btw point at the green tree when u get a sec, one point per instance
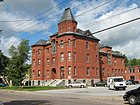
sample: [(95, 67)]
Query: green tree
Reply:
[(17, 68), (3, 63)]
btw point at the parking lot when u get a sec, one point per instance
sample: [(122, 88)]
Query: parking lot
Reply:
[(94, 91)]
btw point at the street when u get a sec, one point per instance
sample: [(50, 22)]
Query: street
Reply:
[(74, 96)]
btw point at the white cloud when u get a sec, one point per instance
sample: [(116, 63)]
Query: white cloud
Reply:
[(122, 38), (7, 42)]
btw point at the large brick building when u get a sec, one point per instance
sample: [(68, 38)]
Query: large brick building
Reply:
[(72, 55), (132, 73)]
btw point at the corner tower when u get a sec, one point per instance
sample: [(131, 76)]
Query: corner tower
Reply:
[(67, 22)]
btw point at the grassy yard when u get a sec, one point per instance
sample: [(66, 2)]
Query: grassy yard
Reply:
[(31, 88)]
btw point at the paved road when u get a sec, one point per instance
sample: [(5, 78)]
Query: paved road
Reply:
[(76, 96)]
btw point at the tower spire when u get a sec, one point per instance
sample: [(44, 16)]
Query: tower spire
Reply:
[(67, 15)]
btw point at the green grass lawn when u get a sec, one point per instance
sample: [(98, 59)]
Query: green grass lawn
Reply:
[(31, 88)]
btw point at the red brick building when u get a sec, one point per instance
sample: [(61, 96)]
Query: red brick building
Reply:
[(71, 55), (112, 62), (132, 73)]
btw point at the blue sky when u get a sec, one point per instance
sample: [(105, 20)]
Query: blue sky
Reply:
[(44, 15)]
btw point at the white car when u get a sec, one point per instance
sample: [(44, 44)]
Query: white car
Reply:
[(80, 85)]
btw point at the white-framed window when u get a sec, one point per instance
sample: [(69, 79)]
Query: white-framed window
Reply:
[(68, 28), (61, 44), (33, 62), (62, 57), (74, 42), (39, 52), (87, 58), (69, 42), (39, 61), (88, 71), (69, 70), (48, 62), (47, 73), (69, 56), (109, 57), (74, 70), (38, 73), (87, 46), (53, 60), (74, 56)]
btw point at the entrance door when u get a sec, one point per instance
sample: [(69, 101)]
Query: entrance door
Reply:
[(62, 73), (53, 73)]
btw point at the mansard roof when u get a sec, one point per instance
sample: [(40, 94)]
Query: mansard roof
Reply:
[(84, 34), (41, 42), (67, 15)]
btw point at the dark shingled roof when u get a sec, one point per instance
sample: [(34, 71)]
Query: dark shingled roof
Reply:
[(67, 15), (42, 42)]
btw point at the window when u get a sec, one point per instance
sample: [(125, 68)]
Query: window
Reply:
[(88, 71), (39, 52), (61, 44), (39, 61), (73, 29), (131, 69), (74, 42), (103, 71), (69, 70), (87, 58), (53, 60), (74, 56), (96, 58), (53, 46), (68, 28), (47, 73), (108, 73), (62, 57), (108, 57), (38, 73), (48, 62), (115, 61), (69, 56), (96, 71), (68, 42), (47, 50), (87, 46), (33, 62), (74, 70)]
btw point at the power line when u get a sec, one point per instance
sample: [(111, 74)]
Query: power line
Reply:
[(77, 15), (116, 25)]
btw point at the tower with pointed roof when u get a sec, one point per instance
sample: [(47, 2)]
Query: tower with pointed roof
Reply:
[(67, 22)]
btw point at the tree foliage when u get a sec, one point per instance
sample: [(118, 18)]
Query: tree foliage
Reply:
[(3, 63), (133, 62), (17, 68)]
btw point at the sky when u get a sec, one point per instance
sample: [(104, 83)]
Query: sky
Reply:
[(37, 19)]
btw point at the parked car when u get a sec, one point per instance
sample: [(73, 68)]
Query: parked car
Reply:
[(101, 83), (2, 85), (128, 82), (134, 82), (77, 84), (132, 96)]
